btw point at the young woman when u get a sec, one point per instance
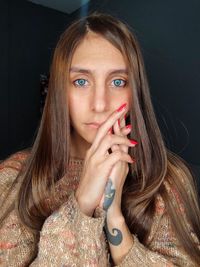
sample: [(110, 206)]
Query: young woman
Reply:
[(99, 187)]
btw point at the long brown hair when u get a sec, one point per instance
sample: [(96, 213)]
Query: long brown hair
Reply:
[(154, 167)]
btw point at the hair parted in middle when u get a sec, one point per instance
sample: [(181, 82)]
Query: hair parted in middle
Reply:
[(154, 163)]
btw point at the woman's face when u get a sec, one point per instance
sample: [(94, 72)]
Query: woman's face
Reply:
[(98, 86)]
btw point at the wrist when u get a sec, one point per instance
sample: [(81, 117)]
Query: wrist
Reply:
[(115, 216), (83, 206)]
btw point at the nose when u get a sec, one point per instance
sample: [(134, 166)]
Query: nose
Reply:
[(99, 101)]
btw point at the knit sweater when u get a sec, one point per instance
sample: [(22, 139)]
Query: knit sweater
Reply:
[(69, 238)]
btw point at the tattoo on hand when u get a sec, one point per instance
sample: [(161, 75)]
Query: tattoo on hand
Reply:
[(116, 238), (109, 195)]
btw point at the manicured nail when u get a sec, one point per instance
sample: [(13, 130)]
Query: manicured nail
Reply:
[(128, 126), (122, 107), (133, 160), (110, 131), (133, 142)]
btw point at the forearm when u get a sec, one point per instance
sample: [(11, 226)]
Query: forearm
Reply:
[(128, 251), (119, 237)]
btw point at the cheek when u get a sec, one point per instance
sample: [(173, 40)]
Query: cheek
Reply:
[(76, 107), (125, 97), (129, 97), (72, 106)]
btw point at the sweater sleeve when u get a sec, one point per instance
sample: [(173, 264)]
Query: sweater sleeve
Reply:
[(16, 243), (67, 238), (163, 248), (70, 238)]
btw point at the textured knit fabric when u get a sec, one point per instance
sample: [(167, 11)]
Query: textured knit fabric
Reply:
[(69, 238)]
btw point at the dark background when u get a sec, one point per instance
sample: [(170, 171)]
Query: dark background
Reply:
[(169, 34)]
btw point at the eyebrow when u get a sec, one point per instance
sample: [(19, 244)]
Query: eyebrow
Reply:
[(87, 71)]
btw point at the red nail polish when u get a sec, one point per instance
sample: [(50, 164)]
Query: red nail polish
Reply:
[(122, 107), (133, 142), (128, 126), (110, 131), (133, 160)]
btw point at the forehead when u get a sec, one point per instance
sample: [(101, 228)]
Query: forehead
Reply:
[(95, 49)]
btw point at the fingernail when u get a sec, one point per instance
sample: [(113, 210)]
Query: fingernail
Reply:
[(133, 142), (122, 107), (110, 131), (133, 160), (128, 126)]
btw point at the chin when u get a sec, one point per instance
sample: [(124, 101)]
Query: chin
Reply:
[(82, 135), (89, 138)]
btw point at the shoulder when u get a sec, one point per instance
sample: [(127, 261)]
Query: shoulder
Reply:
[(15, 161), (10, 168)]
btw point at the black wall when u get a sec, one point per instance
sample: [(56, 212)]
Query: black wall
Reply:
[(29, 33)]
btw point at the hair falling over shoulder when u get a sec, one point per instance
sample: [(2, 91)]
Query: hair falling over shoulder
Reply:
[(154, 167)]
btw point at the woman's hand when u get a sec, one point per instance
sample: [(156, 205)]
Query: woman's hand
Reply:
[(113, 191), (118, 235), (99, 163)]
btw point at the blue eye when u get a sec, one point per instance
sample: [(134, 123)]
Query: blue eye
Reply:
[(80, 82), (119, 83)]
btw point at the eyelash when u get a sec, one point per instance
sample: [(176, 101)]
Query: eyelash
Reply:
[(124, 83)]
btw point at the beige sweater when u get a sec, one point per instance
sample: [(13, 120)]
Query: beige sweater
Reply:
[(69, 238)]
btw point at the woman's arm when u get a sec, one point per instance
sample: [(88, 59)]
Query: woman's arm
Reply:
[(68, 236), (162, 249)]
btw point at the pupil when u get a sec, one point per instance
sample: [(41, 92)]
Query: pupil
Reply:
[(117, 82), (81, 82)]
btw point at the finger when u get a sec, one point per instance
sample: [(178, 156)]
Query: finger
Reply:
[(117, 156), (126, 130), (104, 128), (116, 127), (117, 130), (111, 140), (114, 147), (123, 121)]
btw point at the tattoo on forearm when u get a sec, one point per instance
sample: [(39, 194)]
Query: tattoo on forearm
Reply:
[(116, 237), (109, 195)]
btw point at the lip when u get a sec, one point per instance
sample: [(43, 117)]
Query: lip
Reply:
[(94, 124)]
